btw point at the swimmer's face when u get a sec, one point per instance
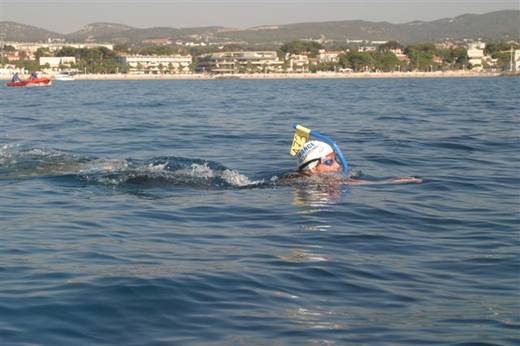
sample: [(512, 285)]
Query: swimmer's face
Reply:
[(328, 164)]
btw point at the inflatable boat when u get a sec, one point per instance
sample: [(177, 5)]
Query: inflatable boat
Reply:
[(31, 82)]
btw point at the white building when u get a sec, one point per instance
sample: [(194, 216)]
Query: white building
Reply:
[(157, 63), (328, 57), (298, 63), (516, 62), (476, 55), (234, 62), (56, 62), (398, 52), (367, 49), (355, 41), (9, 70)]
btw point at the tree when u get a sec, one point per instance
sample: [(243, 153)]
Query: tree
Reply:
[(357, 61), (29, 65), (493, 48), (122, 48), (94, 60), (42, 52), (503, 60), (68, 51), (326, 66), (158, 50), (385, 61), (390, 45), (421, 55), (9, 48), (502, 52), (301, 47), (455, 58)]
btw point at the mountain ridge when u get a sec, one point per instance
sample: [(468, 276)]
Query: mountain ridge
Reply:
[(493, 25)]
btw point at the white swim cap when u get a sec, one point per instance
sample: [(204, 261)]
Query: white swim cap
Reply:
[(312, 151)]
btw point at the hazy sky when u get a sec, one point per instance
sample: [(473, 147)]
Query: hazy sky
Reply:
[(65, 16)]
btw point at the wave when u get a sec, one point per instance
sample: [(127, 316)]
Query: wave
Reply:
[(21, 163)]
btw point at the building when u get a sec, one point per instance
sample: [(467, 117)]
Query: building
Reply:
[(516, 62), (11, 56), (354, 41), (476, 55), (157, 63), (30, 48), (438, 59), (367, 49), (298, 63), (57, 62), (240, 62), (400, 55), (157, 41), (446, 45), (328, 57), (9, 70)]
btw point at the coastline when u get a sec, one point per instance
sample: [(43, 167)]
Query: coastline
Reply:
[(256, 76)]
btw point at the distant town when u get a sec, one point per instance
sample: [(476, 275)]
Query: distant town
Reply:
[(160, 57), (486, 44)]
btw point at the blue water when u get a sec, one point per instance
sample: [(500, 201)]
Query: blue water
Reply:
[(149, 213)]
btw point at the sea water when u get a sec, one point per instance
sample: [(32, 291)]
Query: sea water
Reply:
[(149, 213)]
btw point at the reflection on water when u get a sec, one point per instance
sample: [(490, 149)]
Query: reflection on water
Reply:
[(315, 194), (300, 255)]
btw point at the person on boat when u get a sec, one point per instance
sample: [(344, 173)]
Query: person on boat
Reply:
[(34, 75), (16, 78), (317, 158)]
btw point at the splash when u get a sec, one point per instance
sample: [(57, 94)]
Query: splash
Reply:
[(17, 163), (234, 178)]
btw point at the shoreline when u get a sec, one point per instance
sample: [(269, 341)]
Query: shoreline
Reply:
[(257, 76)]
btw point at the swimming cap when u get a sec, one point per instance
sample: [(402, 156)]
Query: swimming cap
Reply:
[(312, 151)]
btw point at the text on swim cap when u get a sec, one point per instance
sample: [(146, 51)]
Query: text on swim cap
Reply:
[(303, 151)]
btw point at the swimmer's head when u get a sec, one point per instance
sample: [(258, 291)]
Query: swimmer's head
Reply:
[(317, 157)]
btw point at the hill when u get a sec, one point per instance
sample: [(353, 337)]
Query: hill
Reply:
[(11, 31), (98, 31), (489, 26), (500, 25)]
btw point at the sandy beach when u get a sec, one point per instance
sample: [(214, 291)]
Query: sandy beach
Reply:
[(318, 75)]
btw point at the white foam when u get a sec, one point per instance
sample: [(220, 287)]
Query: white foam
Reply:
[(236, 179), (6, 153), (115, 165), (201, 171), (39, 152), (157, 167), (103, 166)]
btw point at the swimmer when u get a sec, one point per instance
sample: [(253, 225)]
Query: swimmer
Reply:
[(317, 158)]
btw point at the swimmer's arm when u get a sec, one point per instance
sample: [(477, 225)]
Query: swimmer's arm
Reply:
[(400, 180)]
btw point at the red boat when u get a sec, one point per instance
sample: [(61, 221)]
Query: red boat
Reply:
[(31, 82)]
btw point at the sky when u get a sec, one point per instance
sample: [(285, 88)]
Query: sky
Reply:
[(66, 16)]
